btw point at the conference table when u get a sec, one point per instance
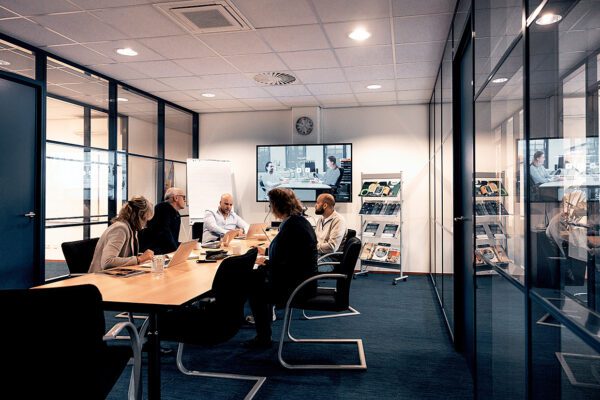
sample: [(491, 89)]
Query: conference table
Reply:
[(152, 293)]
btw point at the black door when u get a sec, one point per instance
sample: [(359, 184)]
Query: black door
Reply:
[(463, 200), (19, 179)]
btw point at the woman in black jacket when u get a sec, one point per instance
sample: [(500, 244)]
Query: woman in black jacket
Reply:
[(292, 259)]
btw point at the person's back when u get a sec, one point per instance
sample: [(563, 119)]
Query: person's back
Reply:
[(162, 232)]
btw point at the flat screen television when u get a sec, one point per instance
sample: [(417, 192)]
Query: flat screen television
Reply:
[(307, 169)]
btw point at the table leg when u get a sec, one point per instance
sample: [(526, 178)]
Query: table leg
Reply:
[(153, 358)]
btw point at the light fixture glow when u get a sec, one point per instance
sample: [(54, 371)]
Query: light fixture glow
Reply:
[(548, 19), (127, 51), (122, 99), (373, 87), (208, 94), (500, 80), (359, 34), (4, 63)]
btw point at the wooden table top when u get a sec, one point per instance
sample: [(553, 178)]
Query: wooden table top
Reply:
[(178, 284)]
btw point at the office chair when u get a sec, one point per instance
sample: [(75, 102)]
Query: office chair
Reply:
[(55, 345), (78, 255), (334, 258), (216, 318), (335, 188), (337, 300)]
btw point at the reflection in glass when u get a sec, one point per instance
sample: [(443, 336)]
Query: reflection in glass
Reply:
[(137, 123), (178, 134), (17, 60), (141, 177), (69, 82)]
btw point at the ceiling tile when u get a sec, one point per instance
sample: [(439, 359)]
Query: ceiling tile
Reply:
[(355, 56), (185, 82), (226, 81), (79, 53), (337, 99), (176, 47), (416, 70), (219, 95), (378, 96), (321, 75), (206, 66), (290, 90), (81, 27), (294, 38), (226, 103), (197, 105), (414, 52), (176, 96), (428, 28), (379, 29), (247, 93), (263, 103), (403, 8), (268, 13), (6, 13), (361, 86), (419, 95), (233, 109), (119, 71), (257, 62), (299, 101), (109, 49), (366, 73), (29, 8), (32, 33), (309, 59), (95, 4), (139, 21), (159, 69), (229, 44), (416, 84), (329, 88), (149, 85), (351, 10)]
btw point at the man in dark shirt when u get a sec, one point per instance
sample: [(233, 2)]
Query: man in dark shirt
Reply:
[(162, 234)]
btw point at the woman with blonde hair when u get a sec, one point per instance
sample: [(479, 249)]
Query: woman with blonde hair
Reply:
[(118, 246)]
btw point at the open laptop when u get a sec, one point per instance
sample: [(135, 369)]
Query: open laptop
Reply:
[(257, 232), (179, 256)]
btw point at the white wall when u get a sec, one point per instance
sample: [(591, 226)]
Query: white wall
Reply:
[(385, 139)]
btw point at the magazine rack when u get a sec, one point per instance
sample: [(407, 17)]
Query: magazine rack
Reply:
[(381, 223)]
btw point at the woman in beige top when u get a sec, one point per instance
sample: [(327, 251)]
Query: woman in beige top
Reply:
[(118, 245)]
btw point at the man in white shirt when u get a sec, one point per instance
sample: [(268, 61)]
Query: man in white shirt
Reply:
[(223, 222), (331, 227)]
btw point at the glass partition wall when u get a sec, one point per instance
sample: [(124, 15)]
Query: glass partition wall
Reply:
[(536, 195), (87, 177)]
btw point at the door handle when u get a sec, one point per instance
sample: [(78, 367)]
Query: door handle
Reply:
[(30, 214), (460, 219)]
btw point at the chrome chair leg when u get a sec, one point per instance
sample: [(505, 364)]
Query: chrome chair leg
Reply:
[(352, 311)]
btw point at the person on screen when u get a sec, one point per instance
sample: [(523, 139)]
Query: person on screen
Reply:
[(292, 259), (224, 223), (269, 179), (118, 245), (162, 233), (331, 226), (333, 172), (538, 172)]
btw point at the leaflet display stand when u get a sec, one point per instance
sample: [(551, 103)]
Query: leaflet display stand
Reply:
[(381, 223)]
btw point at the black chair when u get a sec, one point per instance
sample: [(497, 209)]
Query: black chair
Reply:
[(55, 345), (325, 300), (335, 257), (79, 255), (335, 188), (216, 318)]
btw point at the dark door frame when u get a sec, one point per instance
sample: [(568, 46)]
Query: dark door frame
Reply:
[(39, 168)]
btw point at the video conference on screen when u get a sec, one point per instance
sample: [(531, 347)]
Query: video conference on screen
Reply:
[(308, 170)]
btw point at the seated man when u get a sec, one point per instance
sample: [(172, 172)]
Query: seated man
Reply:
[(331, 227), (223, 222), (162, 233)]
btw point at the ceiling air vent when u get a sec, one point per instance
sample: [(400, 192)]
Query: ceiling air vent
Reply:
[(274, 78), (206, 16)]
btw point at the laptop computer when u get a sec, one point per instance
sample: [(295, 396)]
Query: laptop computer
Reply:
[(179, 256), (257, 232)]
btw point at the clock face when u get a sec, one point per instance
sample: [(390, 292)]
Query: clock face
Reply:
[(304, 126)]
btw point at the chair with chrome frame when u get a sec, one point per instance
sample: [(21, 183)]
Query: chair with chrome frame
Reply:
[(216, 318), (56, 345), (334, 259), (330, 300)]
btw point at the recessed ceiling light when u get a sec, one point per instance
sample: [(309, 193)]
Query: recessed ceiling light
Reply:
[(4, 63), (548, 19), (127, 51), (373, 87), (359, 34), (208, 94), (122, 99), (499, 80)]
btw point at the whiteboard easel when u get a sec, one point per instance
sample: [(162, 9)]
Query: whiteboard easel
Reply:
[(207, 180)]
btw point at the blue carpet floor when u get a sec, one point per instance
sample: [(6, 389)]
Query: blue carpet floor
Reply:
[(409, 354)]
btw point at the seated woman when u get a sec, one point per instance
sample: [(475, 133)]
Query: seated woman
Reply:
[(292, 259), (118, 245)]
